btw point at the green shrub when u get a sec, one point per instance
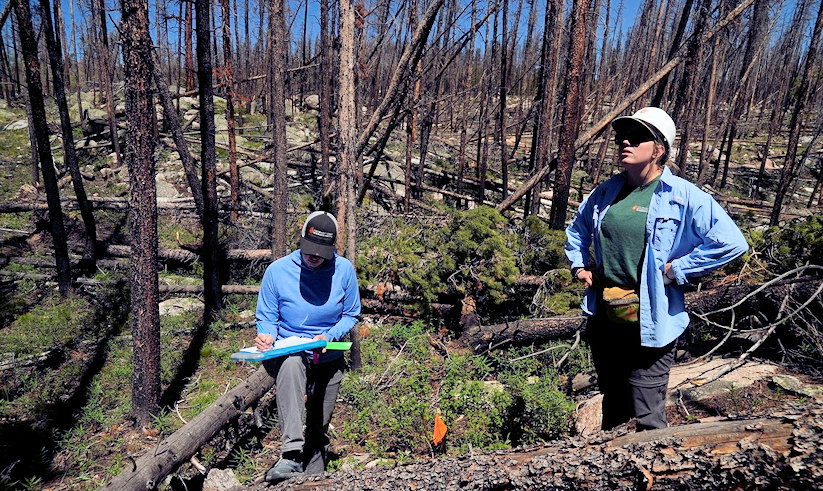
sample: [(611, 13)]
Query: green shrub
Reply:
[(472, 255), (795, 244), (541, 247)]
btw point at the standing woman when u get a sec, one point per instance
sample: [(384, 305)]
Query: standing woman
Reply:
[(311, 293), (652, 232)]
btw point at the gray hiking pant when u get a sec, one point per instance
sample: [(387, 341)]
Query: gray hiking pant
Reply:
[(632, 378), (306, 392)]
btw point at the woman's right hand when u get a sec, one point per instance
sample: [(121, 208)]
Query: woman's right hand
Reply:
[(585, 276), (264, 342)]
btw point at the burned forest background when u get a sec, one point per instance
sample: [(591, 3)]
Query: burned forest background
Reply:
[(156, 157)]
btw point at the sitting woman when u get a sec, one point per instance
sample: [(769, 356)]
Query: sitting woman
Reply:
[(652, 232), (311, 293)]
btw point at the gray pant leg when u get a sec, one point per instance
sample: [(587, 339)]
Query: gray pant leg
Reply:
[(291, 397), (325, 381), (650, 407), (649, 383)]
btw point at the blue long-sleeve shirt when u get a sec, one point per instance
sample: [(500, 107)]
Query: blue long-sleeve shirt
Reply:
[(296, 300), (685, 226)]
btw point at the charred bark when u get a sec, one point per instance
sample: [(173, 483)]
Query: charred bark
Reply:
[(69, 154), (277, 90), (208, 160), (145, 318), (796, 124), (572, 110), (782, 449), (39, 126)]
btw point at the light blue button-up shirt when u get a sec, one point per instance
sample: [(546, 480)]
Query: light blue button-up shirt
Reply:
[(685, 226)]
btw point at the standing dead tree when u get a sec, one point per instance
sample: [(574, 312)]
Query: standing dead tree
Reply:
[(145, 318), (69, 153), (28, 46), (278, 44), (208, 160), (798, 114), (228, 82), (625, 103), (572, 103), (348, 158)]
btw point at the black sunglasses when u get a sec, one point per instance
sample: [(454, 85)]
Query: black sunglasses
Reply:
[(634, 138)]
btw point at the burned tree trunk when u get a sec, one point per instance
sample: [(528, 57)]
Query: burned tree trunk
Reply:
[(156, 464), (780, 450), (796, 124), (173, 123), (191, 79), (69, 153), (348, 158), (145, 317), (278, 44), (228, 81), (208, 160), (324, 120), (572, 109), (541, 139), (529, 331), (39, 125), (107, 75)]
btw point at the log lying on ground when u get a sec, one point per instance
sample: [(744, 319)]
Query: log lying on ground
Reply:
[(149, 470), (187, 256), (528, 331), (783, 450)]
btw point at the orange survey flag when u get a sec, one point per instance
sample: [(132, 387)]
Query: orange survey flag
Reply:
[(440, 429)]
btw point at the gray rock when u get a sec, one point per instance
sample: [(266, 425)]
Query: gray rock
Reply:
[(165, 189), (253, 176), (187, 103), (221, 480), (793, 384), (177, 306), (312, 101), (17, 125)]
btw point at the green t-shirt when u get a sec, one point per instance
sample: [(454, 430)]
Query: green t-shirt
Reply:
[(623, 235)]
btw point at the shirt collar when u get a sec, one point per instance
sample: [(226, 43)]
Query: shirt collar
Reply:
[(667, 175)]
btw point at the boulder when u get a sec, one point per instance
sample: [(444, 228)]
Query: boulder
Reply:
[(187, 103), (165, 189), (312, 101), (221, 480), (177, 306), (254, 176)]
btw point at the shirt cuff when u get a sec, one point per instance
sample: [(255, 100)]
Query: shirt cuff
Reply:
[(679, 275)]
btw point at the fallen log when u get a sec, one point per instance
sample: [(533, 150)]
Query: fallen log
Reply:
[(782, 450), (187, 256), (149, 470), (528, 331)]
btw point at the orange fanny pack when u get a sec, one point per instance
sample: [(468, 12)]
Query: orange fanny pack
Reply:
[(622, 304)]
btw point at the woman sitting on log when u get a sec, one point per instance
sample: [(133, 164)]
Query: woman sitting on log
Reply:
[(652, 232), (311, 293)]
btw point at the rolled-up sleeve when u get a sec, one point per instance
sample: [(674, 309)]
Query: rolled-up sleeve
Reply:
[(721, 241)]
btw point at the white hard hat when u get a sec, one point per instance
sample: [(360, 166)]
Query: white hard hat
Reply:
[(654, 119)]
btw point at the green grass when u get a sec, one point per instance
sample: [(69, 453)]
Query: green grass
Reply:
[(54, 322)]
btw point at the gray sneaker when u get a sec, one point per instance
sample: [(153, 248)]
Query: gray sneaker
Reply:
[(284, 469)]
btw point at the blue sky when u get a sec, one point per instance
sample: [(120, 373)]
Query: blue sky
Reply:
[(623, 15)]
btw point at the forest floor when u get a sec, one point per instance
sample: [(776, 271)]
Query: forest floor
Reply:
[(65, 364)]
